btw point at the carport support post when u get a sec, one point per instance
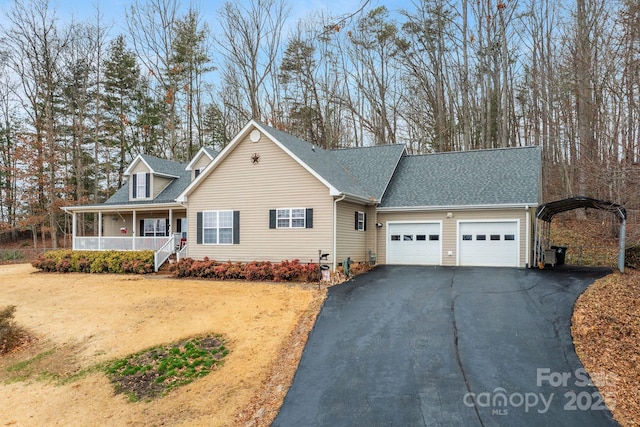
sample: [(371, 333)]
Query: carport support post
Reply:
[(623, 231)]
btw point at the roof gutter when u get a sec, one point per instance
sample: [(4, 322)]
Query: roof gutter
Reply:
[(109, 208), (454, 207)]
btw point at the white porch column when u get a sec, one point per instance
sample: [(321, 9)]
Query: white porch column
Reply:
[(74, 230), (99, 231), (134, 230)]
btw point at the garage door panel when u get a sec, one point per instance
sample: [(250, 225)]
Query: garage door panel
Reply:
[(414, 243), (493, 243)]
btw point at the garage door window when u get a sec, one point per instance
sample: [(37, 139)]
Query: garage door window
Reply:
[(495, 237), (481, 237), (434, 237), (408, 238), (509, 237), (421, 237), (467, 237), (395, 237)]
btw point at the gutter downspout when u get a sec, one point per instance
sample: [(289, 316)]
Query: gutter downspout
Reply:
[(335, 230), (528, 237)]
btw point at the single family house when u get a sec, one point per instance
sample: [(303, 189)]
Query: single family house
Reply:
[(271, 196)]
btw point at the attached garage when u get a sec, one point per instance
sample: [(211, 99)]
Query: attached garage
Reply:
[(414, 243), (489, 243)]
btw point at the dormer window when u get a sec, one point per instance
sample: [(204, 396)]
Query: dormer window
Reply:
[(197, 172), (141, 185)]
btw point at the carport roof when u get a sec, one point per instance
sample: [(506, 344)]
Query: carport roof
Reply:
[(547, 211)]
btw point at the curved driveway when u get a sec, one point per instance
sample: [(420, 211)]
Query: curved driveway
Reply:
[(432, 346)]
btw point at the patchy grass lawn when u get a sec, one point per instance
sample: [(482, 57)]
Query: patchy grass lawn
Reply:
[(606, 333), (82, 323)]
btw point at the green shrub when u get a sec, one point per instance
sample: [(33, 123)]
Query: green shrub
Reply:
[(67, 261), (285, 271)]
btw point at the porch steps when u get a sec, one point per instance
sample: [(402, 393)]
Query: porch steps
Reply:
[(166, 267)]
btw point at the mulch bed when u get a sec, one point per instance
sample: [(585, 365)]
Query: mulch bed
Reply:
[(606, 333)]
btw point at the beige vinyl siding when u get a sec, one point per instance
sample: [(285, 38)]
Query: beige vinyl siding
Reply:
[(201, 163), (349, 241), (158, 184), (372, 241), (276, 181), (140, 167), (112, 227), (450, 228)]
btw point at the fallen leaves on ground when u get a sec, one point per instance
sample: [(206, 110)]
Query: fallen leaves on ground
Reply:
[(606, 333)]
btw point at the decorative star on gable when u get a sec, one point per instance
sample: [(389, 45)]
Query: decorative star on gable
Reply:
[(255, 158)]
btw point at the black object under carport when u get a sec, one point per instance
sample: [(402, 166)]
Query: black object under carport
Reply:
[(546, 211), (561, 252)]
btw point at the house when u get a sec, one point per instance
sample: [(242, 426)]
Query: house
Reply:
[(270, 196)]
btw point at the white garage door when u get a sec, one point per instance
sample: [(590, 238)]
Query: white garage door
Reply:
[(414, 243), (492, 244)]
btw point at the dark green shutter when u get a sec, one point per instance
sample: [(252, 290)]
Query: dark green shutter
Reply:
[(134, 182), (356, 221), (272, 218), (309, 218), (166, 227), (365, 222), (147, 185), (199, 228), (236, 227), (141, 232)]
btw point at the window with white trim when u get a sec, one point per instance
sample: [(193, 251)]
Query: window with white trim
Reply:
[(155, 227), (141, 185), (290, 218), (217, 227), (360, 221)]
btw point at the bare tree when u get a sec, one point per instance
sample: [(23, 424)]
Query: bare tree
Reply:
[(152, 28), (250, 45), (36, 45)]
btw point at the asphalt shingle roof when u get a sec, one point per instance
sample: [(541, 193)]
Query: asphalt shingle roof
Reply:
[(483, 177), (468, 178), (168, 195), (372, 166), (327, 164)]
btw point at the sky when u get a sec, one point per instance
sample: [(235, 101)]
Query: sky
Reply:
[(114, 10)]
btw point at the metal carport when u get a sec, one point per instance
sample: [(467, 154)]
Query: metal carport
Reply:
[(546, 212)]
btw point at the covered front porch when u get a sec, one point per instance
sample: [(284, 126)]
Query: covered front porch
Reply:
[(162, 229)]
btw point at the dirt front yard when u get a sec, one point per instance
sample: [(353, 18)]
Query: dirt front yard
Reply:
[(81, 321)]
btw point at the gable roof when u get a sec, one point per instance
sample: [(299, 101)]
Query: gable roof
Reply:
[(331, 167), (157, 166), (509, 176), (207, 151), (373, 166), (324, 163), (161, 167)]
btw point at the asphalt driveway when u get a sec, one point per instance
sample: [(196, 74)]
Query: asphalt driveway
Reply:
[(418, 346)]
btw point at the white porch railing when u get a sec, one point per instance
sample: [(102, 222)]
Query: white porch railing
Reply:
[(119, 243), (182, 253), (164, 252)]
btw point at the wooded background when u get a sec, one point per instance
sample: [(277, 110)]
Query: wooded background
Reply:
[(79, 100)]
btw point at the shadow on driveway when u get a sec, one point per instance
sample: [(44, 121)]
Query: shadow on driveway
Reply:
[(431, 346)]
